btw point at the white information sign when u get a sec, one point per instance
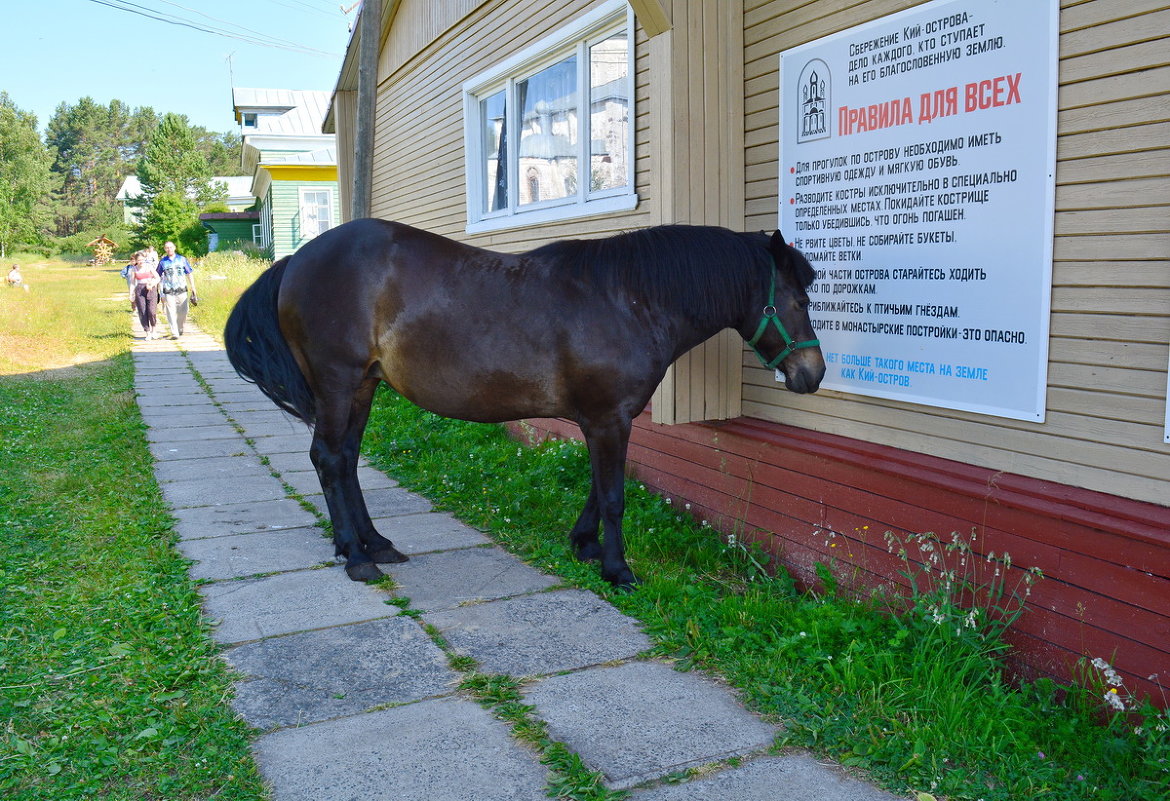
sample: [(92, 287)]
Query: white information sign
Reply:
[(917, 167)]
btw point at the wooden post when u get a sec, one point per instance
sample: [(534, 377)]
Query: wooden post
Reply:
[(370, 32)]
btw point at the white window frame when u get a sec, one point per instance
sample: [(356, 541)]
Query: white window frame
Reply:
[(305, 191), (577, 37)]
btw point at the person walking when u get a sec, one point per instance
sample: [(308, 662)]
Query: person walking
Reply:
[(178, 288), (146, 283), (128, 274)]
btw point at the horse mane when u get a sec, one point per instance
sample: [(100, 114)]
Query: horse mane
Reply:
[(703, 271)]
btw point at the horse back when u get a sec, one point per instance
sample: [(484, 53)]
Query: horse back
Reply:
[(462, 331)]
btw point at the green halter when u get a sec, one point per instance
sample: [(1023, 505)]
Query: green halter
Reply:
[(771, 316)]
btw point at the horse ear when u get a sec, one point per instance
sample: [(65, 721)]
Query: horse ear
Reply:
[(777, 244)]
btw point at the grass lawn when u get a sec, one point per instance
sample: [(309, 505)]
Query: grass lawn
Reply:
[(110, 686), (113, 690)]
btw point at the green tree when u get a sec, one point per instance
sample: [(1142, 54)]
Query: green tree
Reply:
[(96, 147), (172, 216), (176, 183), (26, 178), (173, 163), (224, 151)]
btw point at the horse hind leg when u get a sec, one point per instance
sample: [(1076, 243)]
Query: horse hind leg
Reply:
[(377, 547), (341, 420)]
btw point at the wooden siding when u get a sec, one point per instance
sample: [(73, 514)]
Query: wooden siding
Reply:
[(286, 212), (419, 171), (345, 119), (1111, 275), (698, 78)]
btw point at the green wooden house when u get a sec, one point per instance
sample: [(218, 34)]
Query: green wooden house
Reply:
[(293, 165)]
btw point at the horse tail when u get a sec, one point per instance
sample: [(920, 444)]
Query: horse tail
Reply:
[(258, 350)]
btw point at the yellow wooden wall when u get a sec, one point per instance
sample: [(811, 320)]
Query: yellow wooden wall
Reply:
[(707, 153)]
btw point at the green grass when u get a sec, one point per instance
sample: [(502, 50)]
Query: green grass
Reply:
[(110, 686), (221, 278), (918, 699)]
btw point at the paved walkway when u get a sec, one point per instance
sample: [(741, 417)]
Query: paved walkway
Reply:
[(354, 699)]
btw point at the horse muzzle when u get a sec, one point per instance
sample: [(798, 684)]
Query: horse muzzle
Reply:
[(803, 371)]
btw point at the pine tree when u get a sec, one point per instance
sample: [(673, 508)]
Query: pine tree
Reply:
[(96, 146), (173, 163), (175, 179)]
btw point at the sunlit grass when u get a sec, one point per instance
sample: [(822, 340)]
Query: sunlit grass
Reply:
[(109, 685), (221, 278)]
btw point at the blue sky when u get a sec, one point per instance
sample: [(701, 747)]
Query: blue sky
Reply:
[(49, 53)]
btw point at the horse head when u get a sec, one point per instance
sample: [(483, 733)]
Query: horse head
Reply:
[(782, 333)]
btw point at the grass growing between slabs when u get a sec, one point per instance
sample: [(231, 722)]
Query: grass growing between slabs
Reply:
[(918, 699), (109, 685)]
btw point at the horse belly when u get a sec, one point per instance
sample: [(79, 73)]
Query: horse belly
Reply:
[(468, 390)]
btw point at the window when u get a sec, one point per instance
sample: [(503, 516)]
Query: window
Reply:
[(316, 212), (549, 132), (249, 119)]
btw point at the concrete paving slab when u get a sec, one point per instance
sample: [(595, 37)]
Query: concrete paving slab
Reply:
[(797, 777), (153, 399), (233, 402), (292, 462), (393, 501), (216, 491), (283, 444), (182, 417), (275, 427), (643, 720), (216, 467), (239, 555), (383, 503), (448, 749), (320, 675), (250, 609), (541, 634), (225, 431), (200, 449), (431, 531), (220, 521), (447, 579), (306, 482)]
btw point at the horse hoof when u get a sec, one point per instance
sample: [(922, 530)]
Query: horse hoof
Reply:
[(589, 552), (623, 580), (388, 555), (363, 571)]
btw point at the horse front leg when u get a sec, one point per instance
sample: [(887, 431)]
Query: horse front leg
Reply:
[(584, 536), (607, 458), (334, 455)]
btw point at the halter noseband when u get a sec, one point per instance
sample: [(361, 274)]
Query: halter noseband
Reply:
[(770, 315)]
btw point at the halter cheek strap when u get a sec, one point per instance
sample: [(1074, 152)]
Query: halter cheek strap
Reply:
[(771, 316)]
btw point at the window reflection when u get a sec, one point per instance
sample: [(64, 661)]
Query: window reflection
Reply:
[(548, 133), (609, 118)]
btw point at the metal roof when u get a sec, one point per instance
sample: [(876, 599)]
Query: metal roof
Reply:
[(282, 111)]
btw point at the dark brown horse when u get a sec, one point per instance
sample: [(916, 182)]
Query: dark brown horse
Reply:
[(583, 330)]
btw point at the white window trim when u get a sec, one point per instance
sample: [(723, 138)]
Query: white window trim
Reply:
[(304, 192), (588, 29)]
